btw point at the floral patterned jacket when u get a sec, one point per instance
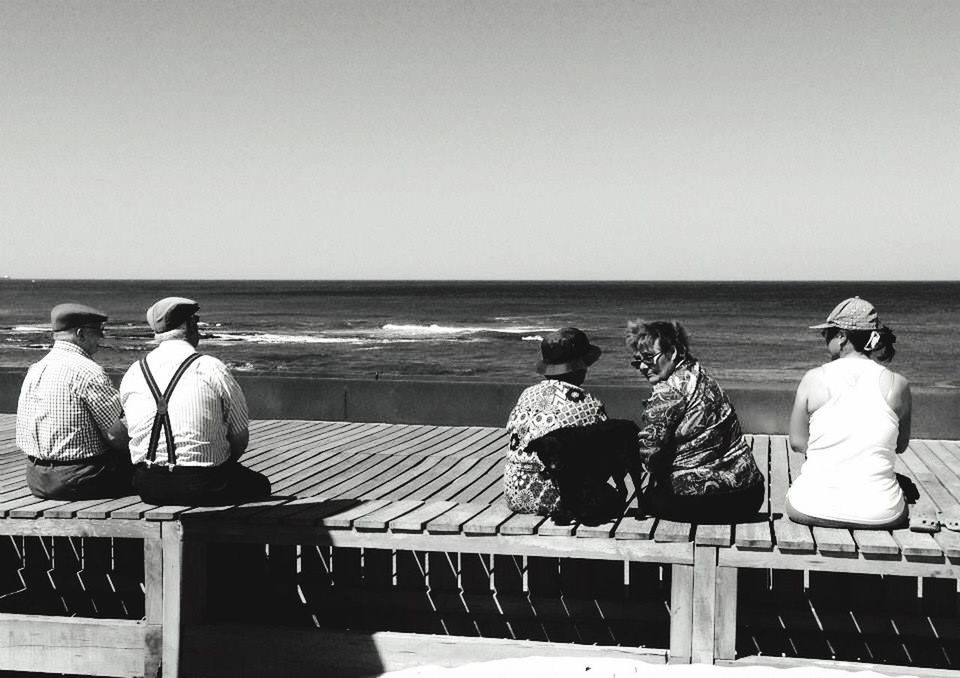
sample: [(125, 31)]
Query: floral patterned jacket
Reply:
[(691, 437), (541, 409)]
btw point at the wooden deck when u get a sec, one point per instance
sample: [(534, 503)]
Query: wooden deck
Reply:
[(342, 489)]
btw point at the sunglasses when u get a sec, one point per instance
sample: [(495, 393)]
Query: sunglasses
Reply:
[(645, 359)]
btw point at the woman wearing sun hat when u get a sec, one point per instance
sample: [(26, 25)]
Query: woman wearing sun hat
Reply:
[(554, 405), (851, 417)]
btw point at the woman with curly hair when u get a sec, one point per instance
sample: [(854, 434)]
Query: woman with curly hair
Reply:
[(701, 469)]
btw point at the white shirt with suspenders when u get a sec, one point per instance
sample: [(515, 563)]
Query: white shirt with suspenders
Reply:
[(205, 407)]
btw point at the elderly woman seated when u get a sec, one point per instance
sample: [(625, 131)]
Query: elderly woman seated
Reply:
[(563, 447), (701, 469)]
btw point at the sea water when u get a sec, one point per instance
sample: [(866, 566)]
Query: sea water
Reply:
[(744, 332)]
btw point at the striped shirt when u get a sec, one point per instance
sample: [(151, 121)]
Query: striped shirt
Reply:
[(206, 407), (67, 405)]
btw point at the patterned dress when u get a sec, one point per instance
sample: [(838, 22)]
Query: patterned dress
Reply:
[(541, 409), (692, 434)]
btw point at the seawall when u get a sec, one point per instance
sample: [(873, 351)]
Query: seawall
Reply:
[(936, 413)]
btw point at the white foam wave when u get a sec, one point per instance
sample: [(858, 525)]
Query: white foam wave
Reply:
[(225, 339), (30, 329), (270, 338), (436, 330)]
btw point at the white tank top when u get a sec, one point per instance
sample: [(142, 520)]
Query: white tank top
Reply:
[(849, 471)]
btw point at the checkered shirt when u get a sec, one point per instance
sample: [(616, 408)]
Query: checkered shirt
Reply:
[(207, 405), (67, 405)]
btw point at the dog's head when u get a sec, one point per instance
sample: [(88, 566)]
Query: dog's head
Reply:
[(548, 451)]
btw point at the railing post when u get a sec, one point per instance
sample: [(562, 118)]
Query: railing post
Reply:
[(172, 535), (153, 600), (681, 613)]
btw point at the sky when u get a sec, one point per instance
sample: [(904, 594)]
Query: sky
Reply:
[(766, 140)]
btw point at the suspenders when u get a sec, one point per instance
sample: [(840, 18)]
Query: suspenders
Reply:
[(162, 418)]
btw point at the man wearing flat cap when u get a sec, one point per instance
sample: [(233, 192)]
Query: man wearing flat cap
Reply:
[(187, 418), (69, 415)]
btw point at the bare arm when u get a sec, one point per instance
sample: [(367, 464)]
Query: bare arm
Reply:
[(901, 402), (800, 415)]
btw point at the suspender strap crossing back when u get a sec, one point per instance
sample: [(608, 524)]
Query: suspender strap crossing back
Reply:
[(161, 421)]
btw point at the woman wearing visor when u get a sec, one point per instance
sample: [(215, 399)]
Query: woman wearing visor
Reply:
[(701, 469)]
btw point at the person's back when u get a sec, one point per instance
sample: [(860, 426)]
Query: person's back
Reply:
[(851, 417), (200, 408), (69, 417), (187, 418), (849, 474)]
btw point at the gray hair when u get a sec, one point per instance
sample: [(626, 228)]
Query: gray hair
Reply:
[(175, 333)]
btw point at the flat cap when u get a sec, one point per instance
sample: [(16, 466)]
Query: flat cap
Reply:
[(69, 316), (170, 313)]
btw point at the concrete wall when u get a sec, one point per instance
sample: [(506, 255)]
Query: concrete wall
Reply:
[(761, 409)]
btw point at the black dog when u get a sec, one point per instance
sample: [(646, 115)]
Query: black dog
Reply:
[(585, 457)]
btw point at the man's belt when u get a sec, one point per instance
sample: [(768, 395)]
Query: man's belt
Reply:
[(99, 459)]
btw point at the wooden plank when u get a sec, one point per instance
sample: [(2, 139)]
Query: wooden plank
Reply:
[(521, 523), (282, 455), (309, 467), (437, 479), (69, 509), (757, 535), (669, 531), (103, 647), (834, 540), (876, 543), (600, 531), (714, 535), (352, 442), (171, 536), (488, 520), (463, 488), (453, 520), (550, 528), (725, 636), (344, 519), (681, 614), (165, 512), (133, 511), (635, 528), (788, 535), (914, 465), (916, 544), (337, 472), (416, 520), (34, 510), (102, 511), (379, 519), (703, 635)]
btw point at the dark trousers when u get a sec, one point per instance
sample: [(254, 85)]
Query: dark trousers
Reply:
[(715, 509), (104, 477), (229, 483)]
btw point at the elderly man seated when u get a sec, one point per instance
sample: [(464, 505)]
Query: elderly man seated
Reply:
[(69, 416), (187, 418)]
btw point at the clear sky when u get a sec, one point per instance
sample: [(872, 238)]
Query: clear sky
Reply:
[(453, 139)]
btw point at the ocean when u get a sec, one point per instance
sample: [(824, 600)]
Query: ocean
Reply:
[(743, 332)]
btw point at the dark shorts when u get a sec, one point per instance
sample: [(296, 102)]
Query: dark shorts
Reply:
[(715, 509), (103, 478), (228, 483)]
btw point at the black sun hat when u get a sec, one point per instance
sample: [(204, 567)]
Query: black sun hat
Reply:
[(566, 350)]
